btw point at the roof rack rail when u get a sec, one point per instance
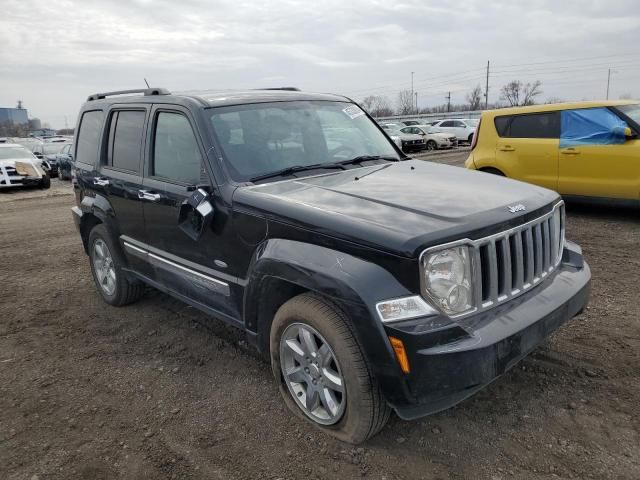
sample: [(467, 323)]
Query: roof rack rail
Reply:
[(145, 91), (289, 89)]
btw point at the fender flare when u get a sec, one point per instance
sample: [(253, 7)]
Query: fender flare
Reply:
[(97, 208), (351, 283)]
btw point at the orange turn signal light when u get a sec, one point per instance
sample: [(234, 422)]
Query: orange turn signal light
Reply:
[(401, 354)]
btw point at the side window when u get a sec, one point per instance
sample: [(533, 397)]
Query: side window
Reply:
[(536, 125), (591, 126), (89, 136), (125, 140), (502, 125), (176, 155), (448, 123), (458, 124)]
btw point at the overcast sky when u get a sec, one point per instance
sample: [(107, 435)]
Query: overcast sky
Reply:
[(54, 53)]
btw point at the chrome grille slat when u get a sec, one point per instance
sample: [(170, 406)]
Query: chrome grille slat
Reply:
[(519, 262), (529, 264), (546, 241), (507, 286), (493, 272)]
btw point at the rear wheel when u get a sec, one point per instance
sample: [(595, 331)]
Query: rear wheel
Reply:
[(107, 264), (321, 371), (493, 171)]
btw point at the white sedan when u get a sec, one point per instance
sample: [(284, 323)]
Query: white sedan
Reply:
[(433, 141), (19, 167), (462, 128)]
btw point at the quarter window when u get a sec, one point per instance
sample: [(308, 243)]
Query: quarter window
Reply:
[(88, 137), (125, 140), (448, 123), (176, 155)]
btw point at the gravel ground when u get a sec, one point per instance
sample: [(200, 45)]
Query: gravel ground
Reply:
[(158, 390)]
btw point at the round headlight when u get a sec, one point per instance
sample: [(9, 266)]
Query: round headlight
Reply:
[(447, 279)]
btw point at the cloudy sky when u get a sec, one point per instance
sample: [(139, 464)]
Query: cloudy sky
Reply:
[(54, 53)]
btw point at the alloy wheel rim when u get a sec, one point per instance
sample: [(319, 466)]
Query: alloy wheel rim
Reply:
[(312, 374), (104, 267)]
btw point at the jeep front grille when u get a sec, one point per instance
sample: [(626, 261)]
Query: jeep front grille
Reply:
[(511, 262)]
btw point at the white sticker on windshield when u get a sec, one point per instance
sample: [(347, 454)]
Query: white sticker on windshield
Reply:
[(353, 111)]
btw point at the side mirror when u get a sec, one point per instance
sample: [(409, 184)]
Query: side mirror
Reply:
[(628, 132), (196, 213)]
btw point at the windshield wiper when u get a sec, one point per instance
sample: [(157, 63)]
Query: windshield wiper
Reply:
[(296, 168), (364, 158)]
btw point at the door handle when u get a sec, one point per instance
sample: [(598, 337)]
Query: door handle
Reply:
[(507, 148), (570, 151), (101, 182), (147, 195)]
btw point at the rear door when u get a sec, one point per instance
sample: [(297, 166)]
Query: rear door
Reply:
[(527, 147), (174, 170), (594, 160)]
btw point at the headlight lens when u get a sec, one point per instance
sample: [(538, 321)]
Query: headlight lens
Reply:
[(447, 279)]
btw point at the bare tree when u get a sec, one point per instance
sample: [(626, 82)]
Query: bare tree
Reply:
[(554, 100), (516, 93), (405, 103), (475, 98), (377, 105)]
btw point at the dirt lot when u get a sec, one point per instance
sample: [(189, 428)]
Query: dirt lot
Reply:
[(157, 390)]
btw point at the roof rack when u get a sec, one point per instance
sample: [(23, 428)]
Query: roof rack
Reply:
[(289, 89), (145, 91)]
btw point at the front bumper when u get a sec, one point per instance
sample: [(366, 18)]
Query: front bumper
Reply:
[(454, 362)]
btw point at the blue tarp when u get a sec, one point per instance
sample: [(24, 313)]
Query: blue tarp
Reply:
[(591, 126)]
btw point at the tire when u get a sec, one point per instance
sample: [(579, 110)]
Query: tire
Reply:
[(45, 183), (470, 138), (493, 171), (362, 411), (123, 291), (432, 145)]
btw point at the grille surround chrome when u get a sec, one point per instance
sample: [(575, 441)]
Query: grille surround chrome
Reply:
[(540, 259)]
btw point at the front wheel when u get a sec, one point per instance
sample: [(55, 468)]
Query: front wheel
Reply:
[(321, 370), (470, 139), (45, 182), (432, 145)]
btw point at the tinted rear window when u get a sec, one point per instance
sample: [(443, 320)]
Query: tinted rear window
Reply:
[(534, 125), (125, 140), (88, 137)]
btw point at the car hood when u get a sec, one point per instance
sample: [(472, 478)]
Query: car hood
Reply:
[(408, 136), (401, 207)]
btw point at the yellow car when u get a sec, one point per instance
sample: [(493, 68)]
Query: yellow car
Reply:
[(588, 149)]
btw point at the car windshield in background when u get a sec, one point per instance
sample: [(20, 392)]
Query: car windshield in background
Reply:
[(473, 122), (14, 153), (631, 111), (51, 148), (258, 139)]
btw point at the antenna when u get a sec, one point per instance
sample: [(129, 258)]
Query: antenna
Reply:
[(145, 81)]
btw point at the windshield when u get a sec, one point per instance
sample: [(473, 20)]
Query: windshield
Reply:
[(51, 148), (631, 111), (472, 122), (13, 153), (258, 139)]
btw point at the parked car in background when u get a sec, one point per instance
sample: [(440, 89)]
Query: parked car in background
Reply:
[(587, 149), (433, 141), (65, 162), (51, 151), (409, 142), (20, 168), (410, 122), (462, 128)]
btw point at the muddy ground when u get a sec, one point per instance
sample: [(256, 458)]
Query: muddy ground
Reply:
[(158, 390)]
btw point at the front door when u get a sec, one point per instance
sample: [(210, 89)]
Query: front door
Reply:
[(528, 149), (183, 260), (594, 160)]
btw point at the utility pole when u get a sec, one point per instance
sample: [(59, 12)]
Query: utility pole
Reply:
[(608, 82), (416, 102), (448, 97), (486, 89), (412, 85)]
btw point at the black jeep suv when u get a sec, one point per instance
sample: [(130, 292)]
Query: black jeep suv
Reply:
[(371, 281)]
